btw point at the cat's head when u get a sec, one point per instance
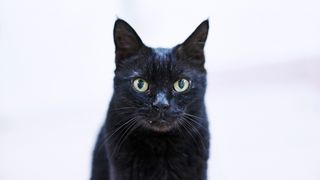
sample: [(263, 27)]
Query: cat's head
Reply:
[(159, 88)]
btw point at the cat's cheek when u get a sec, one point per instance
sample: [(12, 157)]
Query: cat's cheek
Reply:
[(183, 98), (138, 97), (175, 110)]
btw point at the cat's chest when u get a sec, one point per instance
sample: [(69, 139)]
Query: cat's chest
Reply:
[(160, 167), (158, 160), (157, 151)]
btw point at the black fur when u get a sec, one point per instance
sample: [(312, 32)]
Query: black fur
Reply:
[(159, 134)]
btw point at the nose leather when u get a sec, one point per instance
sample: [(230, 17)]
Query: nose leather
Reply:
[(161, 101)]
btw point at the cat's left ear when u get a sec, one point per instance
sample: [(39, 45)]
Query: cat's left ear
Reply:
[(193, 47)]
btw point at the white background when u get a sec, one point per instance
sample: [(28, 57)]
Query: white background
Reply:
[(263, 98)]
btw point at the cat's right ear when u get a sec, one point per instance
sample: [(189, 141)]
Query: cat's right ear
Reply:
[(126, 40)]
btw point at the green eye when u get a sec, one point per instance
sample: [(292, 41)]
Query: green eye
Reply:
[(140, 85), (181, 85)]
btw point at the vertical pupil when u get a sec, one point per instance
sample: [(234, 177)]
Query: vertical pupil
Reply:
[(181, 83), (140, 84)]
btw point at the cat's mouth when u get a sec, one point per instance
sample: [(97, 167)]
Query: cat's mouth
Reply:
[(160, 125)]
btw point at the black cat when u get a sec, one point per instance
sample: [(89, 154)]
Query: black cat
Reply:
[(156, 127)]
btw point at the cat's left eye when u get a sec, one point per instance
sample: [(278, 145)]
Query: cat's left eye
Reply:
[(140, 85), (181, 85)]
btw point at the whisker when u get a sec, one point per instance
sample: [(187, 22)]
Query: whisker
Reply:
[(190, 115), (194, 121), (178, 127), (190, 134), (117, 109), (115, 131), (197, 133), (123, 137)]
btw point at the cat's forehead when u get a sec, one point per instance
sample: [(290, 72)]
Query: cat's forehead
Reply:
[(161, 54), (160, 63)]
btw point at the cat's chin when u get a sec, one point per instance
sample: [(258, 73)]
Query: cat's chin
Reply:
[(160, 126)]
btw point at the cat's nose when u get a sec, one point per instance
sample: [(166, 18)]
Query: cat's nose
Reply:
[(160, 106), (161, 102)]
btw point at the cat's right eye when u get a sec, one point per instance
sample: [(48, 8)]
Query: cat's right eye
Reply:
[(140, 85)]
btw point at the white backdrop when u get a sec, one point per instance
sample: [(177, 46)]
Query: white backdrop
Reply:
[(263, 62)]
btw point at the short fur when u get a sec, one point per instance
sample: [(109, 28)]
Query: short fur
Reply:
[(159, 134)]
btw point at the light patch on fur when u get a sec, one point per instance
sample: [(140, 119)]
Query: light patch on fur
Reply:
[(162, 53)]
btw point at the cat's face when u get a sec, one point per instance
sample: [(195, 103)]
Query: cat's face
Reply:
[(158, 87)]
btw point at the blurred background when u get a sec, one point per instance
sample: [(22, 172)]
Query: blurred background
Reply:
[(263, 98)]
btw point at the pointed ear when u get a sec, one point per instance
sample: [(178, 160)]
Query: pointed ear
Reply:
[(193, 47), (126, 40)]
